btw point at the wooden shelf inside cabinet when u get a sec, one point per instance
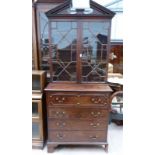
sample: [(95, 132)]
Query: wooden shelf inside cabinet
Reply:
[(38, 124), (38, 81)]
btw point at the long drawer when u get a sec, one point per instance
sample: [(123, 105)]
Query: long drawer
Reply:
[(59, 124), (78, 99), (77, 136), (77, 113)]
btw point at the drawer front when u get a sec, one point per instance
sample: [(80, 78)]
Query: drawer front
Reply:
[(77, 125), (78, 99), (78, 113), (78, 136)]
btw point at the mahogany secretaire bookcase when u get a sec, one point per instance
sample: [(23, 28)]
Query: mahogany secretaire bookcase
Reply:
[(78, 97)]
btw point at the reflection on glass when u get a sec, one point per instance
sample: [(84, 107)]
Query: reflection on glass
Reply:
[(64, 40), (74, 25), (35, 130), (64, 71), (94, 50), (44, 47), (34, 109), (64, 36), (36, 82)]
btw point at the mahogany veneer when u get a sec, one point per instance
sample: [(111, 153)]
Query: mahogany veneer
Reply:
[(77, 113)]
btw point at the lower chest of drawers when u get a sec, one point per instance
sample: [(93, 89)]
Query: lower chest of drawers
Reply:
[(77, 123), (77, 114)]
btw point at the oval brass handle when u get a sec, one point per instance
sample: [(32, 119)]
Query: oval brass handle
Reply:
[(61, 124), (97, 100), (95, 114), (78, 103), (60, 100), (61, 113), (60, 136), (93, 99), (93, 137), (95, 125)]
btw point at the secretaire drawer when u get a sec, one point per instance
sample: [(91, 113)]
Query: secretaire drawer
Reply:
[(79, 113), (78, 99), (95, 124), (77, 136)]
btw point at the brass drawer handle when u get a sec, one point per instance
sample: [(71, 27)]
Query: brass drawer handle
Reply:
[(63, 112), (60, 114), (78, 103), (93, 99), (93, 137), (96, 100), (60, 136), (95, 114), (60, 100), (95, 125), (61, 124)]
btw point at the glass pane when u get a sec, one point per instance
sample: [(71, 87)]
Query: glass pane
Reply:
[(44, 47), (35, 82), (64, 41), (35, 130), (35, 109), (94, 50)]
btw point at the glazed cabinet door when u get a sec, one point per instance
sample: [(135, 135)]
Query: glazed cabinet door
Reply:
[(94, 50), (63, 50), (79, 50), (37, 130), (36, 109)]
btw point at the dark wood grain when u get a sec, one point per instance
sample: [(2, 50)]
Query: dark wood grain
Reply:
[(78, 87), (75, 124), (79, 113), (79, 136), (78, 99)]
